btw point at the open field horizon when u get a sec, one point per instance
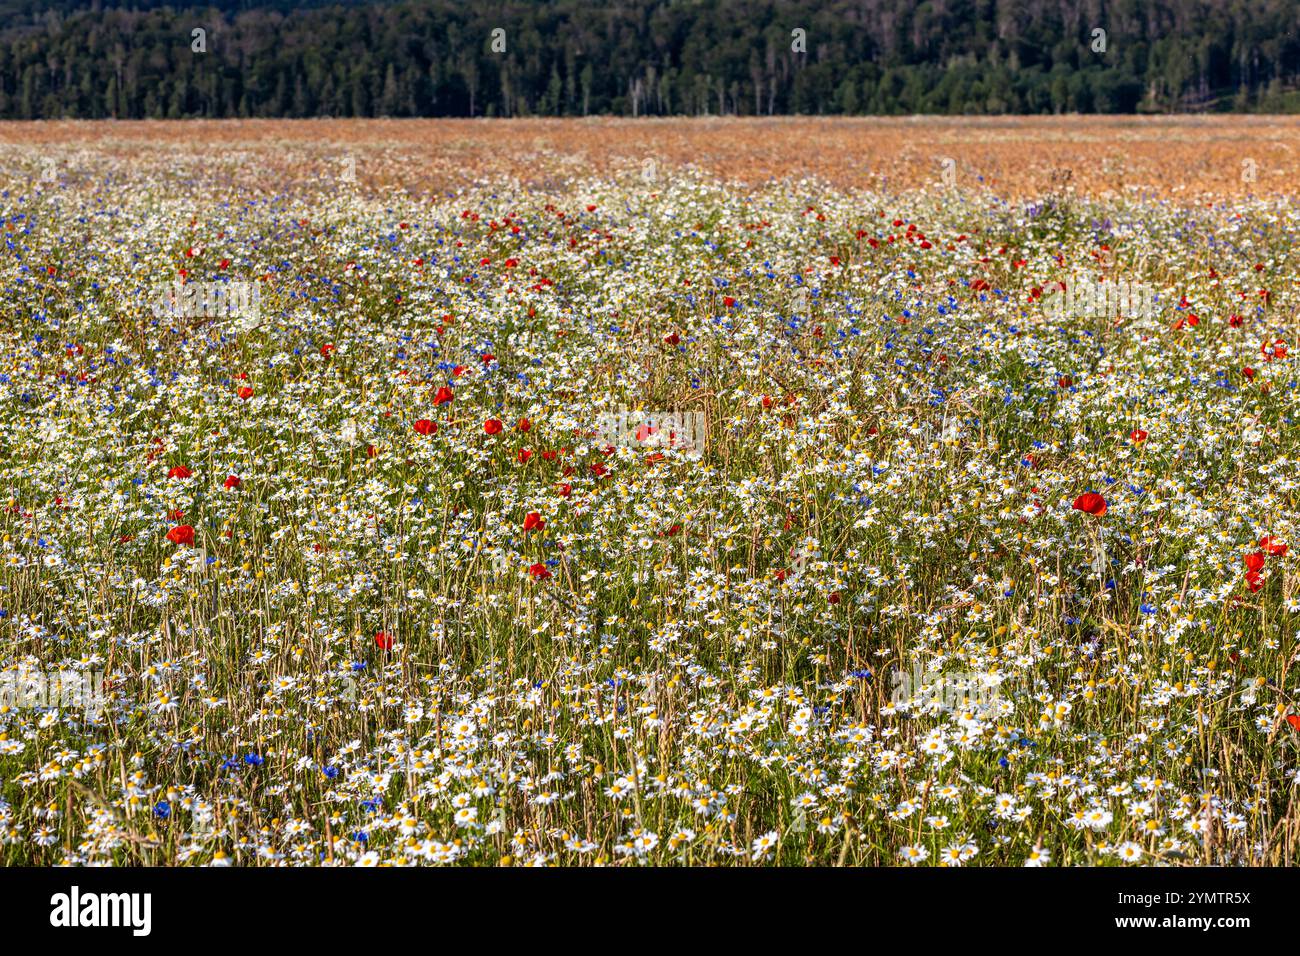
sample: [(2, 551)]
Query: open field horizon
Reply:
[(1177, 157)]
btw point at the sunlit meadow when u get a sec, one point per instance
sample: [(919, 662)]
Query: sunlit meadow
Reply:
[(966, 567)]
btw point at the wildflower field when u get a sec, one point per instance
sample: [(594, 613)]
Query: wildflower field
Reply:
[(601, 504)]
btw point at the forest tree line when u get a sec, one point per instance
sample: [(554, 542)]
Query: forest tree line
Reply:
[(63, 59)]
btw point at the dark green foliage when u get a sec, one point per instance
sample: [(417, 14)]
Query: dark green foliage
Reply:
[(638, 57)]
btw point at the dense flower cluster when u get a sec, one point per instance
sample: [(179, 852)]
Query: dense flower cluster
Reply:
[(957, 579)]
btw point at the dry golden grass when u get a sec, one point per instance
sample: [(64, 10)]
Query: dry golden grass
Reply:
[(1181, 158)]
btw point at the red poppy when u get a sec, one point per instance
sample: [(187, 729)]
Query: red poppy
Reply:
[(539, 571), (1138, 435), (1064, 381), (780, 575), (426, 427), (524, 425), (1248, 372), (1254, 562), (599, 470), (1272, 546), (444, 396), (533, 522), (326, 349), (672, 338), (1294, 721), (565, 490), (1091, 503), (523, 456), (1254, 581), (181, 534), (245, 393), (232, 481), (180, 471), (1271, 350), (728, 301), (492, 426), (384, 641)]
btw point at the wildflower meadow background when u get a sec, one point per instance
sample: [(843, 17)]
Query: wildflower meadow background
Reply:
[(715, 497)]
